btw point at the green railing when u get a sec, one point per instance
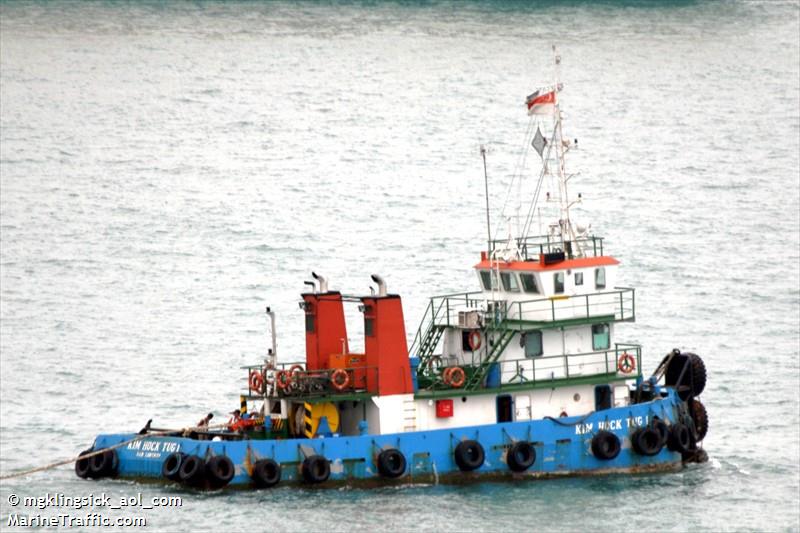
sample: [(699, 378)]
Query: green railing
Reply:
[(617, 305), (437, 311), (559, 367)]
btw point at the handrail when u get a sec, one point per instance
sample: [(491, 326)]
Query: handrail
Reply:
[(548, 244), (316, 383), (619, 303), (565, 366)]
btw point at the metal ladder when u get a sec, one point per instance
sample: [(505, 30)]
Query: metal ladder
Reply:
[(409, 415)]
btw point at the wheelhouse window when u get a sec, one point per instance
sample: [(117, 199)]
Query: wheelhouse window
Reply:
[(310, 323), (600, 278), (509, 280), (529, 283), (369, 327), (489, 280), (533, 343), (578, 278), (600, 337), (558, 282)]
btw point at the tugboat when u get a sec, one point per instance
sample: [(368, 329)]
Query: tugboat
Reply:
[(521, 379)]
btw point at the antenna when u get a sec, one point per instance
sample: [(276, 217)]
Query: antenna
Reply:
[(486, 185)]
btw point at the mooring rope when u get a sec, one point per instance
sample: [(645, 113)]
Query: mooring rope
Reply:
[(159, 433)]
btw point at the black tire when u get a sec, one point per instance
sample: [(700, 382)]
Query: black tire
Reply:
[(680, 438), (521, 456), (469, 455), (316, 469), (82, 465), (266, 473), (646, 441), (694, 379), (219, 471), (662, 429), (605, 445), (700, 418), (699, 375), (192, 471), (391, 463), (171, 467), (104, 464)]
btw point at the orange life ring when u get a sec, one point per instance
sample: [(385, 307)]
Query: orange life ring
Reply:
[(256, 381), (283, 379), (446, 375), (474, 340), (340, 379), (295, 369), (457, 377), (434, 363), (626, 363)]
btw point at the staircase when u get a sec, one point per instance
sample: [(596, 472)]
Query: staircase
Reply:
[(500, 337), (429, 343), (425, 344), (498, 334)]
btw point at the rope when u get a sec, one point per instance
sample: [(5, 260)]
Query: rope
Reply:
[(159, 433)]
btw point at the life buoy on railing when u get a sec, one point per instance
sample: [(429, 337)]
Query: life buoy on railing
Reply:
[(457, 377), (446, 375), (295, 369), (474, 340), (340, 379), (626, 363), (283, 379), (256, 381), (435, 362)]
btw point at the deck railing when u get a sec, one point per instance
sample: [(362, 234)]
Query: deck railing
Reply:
[(556, 367), (619, 303), (312, 383), (532, 247)]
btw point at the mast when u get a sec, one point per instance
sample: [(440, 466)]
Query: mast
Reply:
[(486, 185), (568, 238)]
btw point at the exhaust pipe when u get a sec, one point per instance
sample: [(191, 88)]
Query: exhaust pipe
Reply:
[(312, 285), (323, 283), (381, 284)]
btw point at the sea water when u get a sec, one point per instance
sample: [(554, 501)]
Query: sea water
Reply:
[(167, 170)]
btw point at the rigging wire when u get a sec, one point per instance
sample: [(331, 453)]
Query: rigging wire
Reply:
[(517, 172)]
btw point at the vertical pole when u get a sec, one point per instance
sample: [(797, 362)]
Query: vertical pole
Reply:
[(486, 186)]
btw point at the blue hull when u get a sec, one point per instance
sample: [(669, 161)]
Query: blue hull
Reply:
[(563, 447)]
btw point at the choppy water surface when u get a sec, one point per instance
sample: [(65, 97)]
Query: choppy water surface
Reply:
[(168, 170)]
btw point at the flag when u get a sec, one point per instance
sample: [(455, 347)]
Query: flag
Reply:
[(541, 104), (539, 142)]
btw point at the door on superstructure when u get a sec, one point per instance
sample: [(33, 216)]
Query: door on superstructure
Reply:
[(602, 397), (505, 412)]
